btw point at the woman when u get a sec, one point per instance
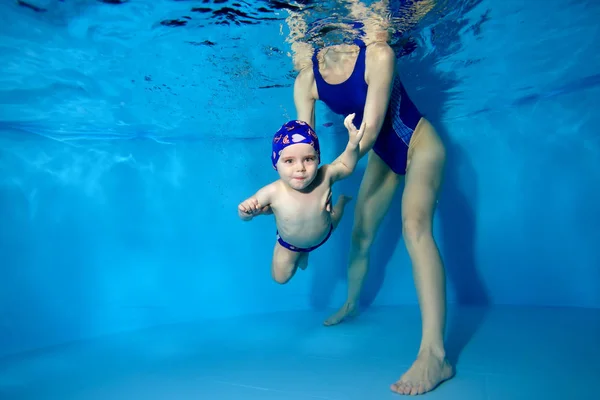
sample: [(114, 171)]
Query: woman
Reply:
[(401, 144)]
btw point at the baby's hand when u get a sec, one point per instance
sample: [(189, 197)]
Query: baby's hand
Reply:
[(249, 208), (354, 134)]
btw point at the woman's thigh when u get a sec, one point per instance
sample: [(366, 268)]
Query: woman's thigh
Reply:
[(425, 166), (375, 195)]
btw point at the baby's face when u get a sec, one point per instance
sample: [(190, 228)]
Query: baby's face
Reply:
[(298, 165)]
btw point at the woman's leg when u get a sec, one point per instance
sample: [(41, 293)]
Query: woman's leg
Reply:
[(374, 197), (423, 178)]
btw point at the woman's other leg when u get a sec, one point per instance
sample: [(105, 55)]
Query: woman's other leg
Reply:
[(423, 179), (374, 198)]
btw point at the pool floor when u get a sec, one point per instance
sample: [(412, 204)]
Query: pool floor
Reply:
[(502, 353)]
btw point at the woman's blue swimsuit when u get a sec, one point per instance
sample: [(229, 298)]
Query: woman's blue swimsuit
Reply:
[(350, 96)]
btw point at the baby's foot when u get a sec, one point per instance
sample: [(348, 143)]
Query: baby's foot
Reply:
[(338, 210), (343, 200), (426, 373), (348, 310)]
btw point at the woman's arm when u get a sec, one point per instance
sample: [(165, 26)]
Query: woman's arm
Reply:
[(303, 97), (381, 63), (304, 101)]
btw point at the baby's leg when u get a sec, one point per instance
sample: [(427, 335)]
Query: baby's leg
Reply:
[(303, 261), (285, 263), (338, 210)]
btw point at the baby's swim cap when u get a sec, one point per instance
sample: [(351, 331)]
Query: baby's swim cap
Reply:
[(293, 132)]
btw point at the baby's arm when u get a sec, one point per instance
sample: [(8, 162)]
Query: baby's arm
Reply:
[(257, 204), (344, 165)]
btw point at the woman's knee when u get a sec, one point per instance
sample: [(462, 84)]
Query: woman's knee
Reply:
[(362, 237), (367, 219), (416, 226)]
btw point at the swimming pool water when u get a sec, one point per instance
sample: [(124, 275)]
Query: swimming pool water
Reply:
[(126, 144)]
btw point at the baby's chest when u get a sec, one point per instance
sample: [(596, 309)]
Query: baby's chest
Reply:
[(302, 206)]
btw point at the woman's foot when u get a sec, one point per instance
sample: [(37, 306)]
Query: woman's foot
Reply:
[(348, 310), (426, 373)]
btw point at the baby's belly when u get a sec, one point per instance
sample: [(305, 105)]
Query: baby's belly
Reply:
[(304, 232)]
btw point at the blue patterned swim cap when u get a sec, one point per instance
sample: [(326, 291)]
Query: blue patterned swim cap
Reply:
[(293, 132)]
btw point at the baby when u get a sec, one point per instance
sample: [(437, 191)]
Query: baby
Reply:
[(298, 198)]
